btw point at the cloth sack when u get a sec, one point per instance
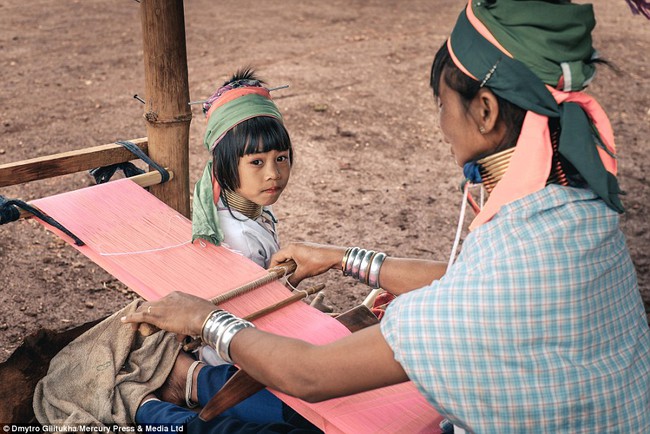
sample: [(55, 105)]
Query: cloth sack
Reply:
[(101, 377)]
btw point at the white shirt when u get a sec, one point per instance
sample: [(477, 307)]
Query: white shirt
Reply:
[(256, 239)]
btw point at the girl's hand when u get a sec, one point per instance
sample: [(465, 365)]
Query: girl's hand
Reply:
[(311, 259), (177, 312)]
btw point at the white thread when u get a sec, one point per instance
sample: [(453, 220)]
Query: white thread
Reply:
[(459, 229), (144, 251), (285, 279), (139, 252)]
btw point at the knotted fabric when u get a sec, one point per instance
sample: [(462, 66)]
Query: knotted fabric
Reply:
[(537, 55)]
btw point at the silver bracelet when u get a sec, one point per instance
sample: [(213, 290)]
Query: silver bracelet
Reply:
[(211, 324), (345, 259), (219, 329), (348, 259), (357, 263), (223, 347), (364, 267), (375, 266)]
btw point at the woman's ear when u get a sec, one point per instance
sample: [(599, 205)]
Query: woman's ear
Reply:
[(486, 110)]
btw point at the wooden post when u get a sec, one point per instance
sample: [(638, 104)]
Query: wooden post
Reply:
[(168, 114)]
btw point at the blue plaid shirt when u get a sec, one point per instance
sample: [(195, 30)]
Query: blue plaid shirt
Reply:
[(538, 327)]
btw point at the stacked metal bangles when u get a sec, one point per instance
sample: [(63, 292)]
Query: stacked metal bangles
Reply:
[(218, 330), (363, 265)]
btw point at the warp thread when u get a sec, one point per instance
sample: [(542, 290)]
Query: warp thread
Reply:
[(149, 250)]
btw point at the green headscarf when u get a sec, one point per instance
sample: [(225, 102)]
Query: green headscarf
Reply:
[(553, 39), (227, 116), (550, 42)]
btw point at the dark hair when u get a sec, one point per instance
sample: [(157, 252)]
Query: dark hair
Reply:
[(252, 136), (255, 135), (443, 67), (245, 73)]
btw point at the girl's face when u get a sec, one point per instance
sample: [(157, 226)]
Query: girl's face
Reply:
[(263, 176), (460, 127)]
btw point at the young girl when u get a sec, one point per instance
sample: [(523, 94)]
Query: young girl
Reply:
[(251, 163), (250, 167)]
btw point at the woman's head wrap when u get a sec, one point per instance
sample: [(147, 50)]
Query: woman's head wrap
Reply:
[(538, 55), (236, 101)]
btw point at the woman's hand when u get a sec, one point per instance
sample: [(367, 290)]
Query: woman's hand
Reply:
[(177, 312), (311, 259)]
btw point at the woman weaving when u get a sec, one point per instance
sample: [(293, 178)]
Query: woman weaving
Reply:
[(538, 325)]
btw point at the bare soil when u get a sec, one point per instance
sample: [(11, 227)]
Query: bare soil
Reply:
[(372, 169)]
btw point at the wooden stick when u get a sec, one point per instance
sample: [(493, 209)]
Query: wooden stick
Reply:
[(299, 294), (238, 387), (370, 299), (274, 273), (66, 163), (167, 93), (145, 180), (295, 296)]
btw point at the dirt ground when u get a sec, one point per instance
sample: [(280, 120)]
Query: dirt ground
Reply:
[(371, 167)]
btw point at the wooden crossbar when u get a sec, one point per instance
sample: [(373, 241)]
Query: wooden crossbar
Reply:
[(66, 163), (144, 180)]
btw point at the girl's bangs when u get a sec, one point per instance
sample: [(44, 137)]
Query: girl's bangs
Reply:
[(264, 134)]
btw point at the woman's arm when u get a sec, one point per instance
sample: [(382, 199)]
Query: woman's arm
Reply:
[(397, 275), (359, 362), (400, 275)]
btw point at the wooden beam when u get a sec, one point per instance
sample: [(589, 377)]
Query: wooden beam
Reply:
[(167, 112), (145, 180), (67, 162)]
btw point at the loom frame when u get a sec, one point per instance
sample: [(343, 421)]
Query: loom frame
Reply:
[(167, 115)]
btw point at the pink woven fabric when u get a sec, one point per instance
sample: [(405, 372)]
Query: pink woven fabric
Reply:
[(145, 244)]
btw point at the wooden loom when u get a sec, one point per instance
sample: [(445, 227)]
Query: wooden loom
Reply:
[(127, 230), (130, 231), (140, 237), (136, 237)]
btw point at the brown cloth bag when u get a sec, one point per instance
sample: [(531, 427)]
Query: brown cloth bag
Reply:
[(101, 377)]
